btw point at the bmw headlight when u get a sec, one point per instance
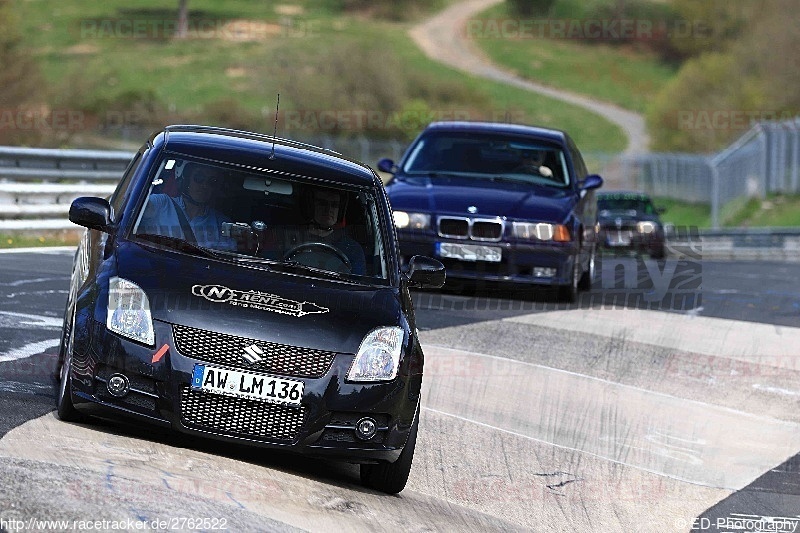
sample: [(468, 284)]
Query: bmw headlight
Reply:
[(540, 231), (378, 356), (406, 220), (128, 311), (645, 227)]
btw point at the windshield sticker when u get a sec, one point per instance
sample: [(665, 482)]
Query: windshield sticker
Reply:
[(256, 300)]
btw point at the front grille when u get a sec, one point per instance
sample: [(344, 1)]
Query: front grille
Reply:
[(453, 227), (240, 416), (485, 230), (475, 229), (230, 350)]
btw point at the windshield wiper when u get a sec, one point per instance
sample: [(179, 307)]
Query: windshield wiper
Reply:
[(295, 265), (178, 244)]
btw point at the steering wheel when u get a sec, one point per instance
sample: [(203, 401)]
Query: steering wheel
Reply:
[(320, 247)]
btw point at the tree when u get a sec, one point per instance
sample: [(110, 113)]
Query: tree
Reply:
[(531, 8), (182, 28), (20, 79)]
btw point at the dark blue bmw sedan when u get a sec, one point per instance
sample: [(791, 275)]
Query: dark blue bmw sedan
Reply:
[(497, 202)]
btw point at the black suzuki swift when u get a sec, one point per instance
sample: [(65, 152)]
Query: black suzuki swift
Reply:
[(248, 288)]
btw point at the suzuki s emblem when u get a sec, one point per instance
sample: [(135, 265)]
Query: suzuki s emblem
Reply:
[(472, 209), (618, 222), (253, 354)]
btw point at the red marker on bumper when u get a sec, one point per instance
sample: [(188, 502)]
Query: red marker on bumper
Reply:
[(160, 353)]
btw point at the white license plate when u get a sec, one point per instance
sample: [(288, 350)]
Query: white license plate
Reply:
[(469, 252), (246, 385), (619, 238)]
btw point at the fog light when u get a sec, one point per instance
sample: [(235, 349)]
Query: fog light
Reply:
[(118, 385), (543, 272), (366, 428)]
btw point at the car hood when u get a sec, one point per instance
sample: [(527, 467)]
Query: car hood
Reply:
[(456, 195), (625, 217), (255, 303)]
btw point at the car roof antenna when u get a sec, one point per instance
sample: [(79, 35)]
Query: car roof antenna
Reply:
[(275, 130)]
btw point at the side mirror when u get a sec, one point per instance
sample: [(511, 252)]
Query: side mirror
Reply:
[(386, 165), (661, 210), (592, 181), (425, 272), (90, 212)]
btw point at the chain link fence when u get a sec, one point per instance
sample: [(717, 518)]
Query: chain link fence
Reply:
[(765, 160)]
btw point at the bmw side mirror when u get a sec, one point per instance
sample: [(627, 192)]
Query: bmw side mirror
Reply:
[(592, 181), (425, 272), (386, 165), (92, 213)]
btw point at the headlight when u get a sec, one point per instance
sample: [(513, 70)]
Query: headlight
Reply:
[(129, 311), (378, 356), (646, 227), (541, 231), (404, 220)]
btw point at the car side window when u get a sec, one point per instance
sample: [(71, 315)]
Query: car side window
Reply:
[(577, 161), (120, 193)]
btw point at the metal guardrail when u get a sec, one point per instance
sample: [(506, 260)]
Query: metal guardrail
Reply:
[(35, 164), (63, 175)]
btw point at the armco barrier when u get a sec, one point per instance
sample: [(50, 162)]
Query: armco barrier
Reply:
[(37, 186)]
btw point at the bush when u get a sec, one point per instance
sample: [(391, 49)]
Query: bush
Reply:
[(20, 80), (531, 8), (713, 98), (396, 10)]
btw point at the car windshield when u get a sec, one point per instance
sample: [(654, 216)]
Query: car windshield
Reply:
[(222, 211), (625, 203), (488, 155)]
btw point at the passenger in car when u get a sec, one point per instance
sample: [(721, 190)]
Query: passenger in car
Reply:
[(191, 216)]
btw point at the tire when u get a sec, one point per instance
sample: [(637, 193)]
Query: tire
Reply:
[(658, 253), (569, 293), (586, 279), (64, 407), (391, 478)]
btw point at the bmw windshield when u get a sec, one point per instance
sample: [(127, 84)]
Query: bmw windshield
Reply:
[(488, 156)]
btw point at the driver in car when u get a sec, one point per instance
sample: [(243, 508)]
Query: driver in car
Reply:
[(532, 162), (324, 231)]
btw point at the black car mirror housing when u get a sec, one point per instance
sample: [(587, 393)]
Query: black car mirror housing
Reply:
[(387, 165), (425, 272), (91, 212)]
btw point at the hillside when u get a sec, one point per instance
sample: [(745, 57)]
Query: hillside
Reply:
[(339, 74)]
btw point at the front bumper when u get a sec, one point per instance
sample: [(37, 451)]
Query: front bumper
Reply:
[(517, 265), (630, 240), (161, 394)]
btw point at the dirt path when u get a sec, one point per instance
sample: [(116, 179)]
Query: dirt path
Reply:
[(442, 38)]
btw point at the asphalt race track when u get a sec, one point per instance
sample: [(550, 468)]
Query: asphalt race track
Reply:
[(665, 400)]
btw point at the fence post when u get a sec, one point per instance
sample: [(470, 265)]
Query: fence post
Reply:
[(762, 135), (715, 200), (795, 140)]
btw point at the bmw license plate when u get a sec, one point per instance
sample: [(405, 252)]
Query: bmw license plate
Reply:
[(469, 252), (619, 238), (246, 385)]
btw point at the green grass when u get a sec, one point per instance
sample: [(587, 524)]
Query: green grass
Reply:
[(620, 75), (684, 214), (323, 61), (30, 240), (775, 211)]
